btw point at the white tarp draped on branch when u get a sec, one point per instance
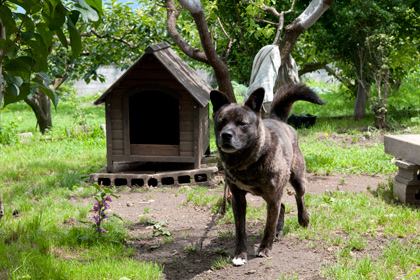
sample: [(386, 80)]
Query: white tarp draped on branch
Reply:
[(265, 70)]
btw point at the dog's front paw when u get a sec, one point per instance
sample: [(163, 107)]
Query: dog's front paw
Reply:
[(239, 259), (263, 252)]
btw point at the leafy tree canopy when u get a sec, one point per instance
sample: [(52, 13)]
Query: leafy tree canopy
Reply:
[(28, 37)]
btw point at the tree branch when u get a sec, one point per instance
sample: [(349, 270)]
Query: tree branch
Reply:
[(230, 41), (270, 10), (311, 14), (94, 32), (172, 16), (103, 36), (58, 81), (345, 81), (310, 67), (278, 15), (266, 21)]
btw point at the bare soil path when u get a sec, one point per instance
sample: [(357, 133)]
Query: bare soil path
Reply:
[(197, 227)]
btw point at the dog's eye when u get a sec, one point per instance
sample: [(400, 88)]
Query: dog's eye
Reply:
[(242, 123)]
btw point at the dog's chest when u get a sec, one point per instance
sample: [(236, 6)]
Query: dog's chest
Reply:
[(246, 184)]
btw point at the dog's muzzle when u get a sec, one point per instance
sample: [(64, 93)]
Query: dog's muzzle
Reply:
[(227, 143)]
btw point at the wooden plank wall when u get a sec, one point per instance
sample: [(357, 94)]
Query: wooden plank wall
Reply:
[(186, 125), (117, 122)]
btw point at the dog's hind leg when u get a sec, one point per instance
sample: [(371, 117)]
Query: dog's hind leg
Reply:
[(298, 180), (280, 223), (303, 216), (239, 213)]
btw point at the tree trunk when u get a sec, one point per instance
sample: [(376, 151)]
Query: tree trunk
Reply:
[(1, 206), (361, 99), (380, 119), (41, 105), (2, 36)]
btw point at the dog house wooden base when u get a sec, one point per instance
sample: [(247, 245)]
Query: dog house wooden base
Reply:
[(157, 111)]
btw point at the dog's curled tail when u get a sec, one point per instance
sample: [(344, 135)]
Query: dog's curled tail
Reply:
[(289, 94)]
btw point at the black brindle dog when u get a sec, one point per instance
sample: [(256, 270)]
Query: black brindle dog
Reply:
[(260, 157)]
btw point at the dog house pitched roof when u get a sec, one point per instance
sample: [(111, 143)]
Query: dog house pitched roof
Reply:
[(183, 73)]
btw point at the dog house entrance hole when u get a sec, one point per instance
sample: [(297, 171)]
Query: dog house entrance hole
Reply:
[(154, 118)]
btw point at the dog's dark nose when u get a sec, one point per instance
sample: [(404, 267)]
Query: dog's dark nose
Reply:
[(227, 135)]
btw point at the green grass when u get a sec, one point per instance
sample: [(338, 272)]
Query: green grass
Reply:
[(397, 261), (71, 111), (203, 197), (324, 155), (38, 179), (220, 263)]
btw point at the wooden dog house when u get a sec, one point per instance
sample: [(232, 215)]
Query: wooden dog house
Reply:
[(157, 111)]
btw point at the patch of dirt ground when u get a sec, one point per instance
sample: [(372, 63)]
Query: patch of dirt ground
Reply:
[(197, 227)]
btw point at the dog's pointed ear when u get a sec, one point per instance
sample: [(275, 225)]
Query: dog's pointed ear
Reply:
[(255, 100), (218, 99)]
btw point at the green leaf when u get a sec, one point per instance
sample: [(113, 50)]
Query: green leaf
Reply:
[(61, 37), (18, 81), (45, 77), (74, 16), (87, 12), (75, 40), (117, 216), (45, 33), (42, 86), (40, 51), (97, 187), (96, 4), (18, 65), (27, 36), (4, 43), (24, 91), (26, 4), (50, 93), (13, 51), (54, 14), (12, 89), (7, 19), (27, 22)]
